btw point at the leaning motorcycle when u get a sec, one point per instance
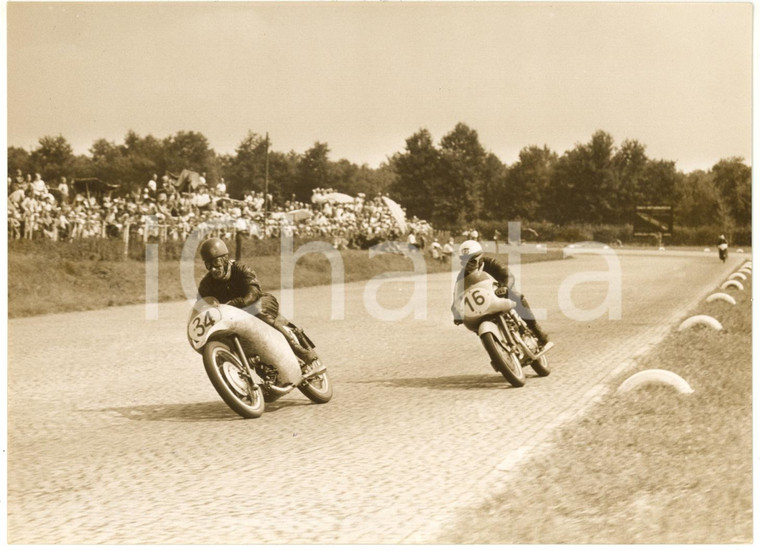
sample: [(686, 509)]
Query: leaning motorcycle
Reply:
[(510, 343), (248, 361), (723, 251)]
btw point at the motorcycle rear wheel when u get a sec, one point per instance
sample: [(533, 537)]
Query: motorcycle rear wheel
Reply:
[(318, 389), (507, 363), (224, 368), (541, 366)]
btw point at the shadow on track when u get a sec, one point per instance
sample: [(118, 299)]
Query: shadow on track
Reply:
[(183, 413), (453, 382)]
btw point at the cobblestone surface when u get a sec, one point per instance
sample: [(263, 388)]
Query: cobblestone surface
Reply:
[(116, 436)]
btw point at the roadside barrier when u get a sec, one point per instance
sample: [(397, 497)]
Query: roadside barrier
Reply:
[(663, 376), (660, 376), (721, 296), (732, 283), (709, 321)]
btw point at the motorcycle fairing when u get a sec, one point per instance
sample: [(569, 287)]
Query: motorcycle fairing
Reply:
[(488, 326), (256, 336), (476, 299)]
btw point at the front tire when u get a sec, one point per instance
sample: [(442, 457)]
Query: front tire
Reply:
[(318, 389), (225, 369), (507, 363)]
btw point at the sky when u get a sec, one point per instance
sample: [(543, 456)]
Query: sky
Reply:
[(364, 77)]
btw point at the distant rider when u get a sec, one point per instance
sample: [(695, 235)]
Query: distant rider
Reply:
[(237, 285), (722, 248), (472, 259)]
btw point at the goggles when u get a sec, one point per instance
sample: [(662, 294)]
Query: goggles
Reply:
[(467, 258), (218, 262)]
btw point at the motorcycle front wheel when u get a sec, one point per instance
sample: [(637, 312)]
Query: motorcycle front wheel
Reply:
[(318, 389), (507, 363), (226, 372)]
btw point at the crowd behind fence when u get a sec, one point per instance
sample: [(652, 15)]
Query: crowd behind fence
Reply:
[(163, 214)]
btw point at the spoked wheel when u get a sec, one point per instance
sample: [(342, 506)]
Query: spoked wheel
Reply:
[(226, 372), (541, 365), (507, 363), (318, 388)]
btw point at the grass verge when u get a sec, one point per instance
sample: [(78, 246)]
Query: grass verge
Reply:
[(41, 283), (650, 466)]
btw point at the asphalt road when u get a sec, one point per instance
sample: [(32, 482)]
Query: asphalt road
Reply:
[(115, 434)]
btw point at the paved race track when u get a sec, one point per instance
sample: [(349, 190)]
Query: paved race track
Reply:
[(115, 434)]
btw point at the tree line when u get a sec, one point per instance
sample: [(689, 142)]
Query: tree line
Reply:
[(454, 183)]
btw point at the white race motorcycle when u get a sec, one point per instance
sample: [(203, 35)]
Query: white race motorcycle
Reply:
[(248, 361), (510, 343)]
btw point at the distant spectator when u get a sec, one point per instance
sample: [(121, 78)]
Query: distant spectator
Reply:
[(221, 188), (39, 186), (63, 188), (412, 240), (202, 198), (447, 251), (435, 250), (17, 196)]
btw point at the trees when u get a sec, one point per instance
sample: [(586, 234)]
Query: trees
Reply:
[(53, 157), (584, 184), (452, 184), (630, 162), (18, 159), (525, 193), (658, 183), (458, 198), (313, 171), (190, 150), (696, 199), (733, 180), (247, 169), (110, 164), (417, 175)]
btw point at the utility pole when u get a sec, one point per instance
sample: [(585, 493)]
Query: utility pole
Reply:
[(266, 179)]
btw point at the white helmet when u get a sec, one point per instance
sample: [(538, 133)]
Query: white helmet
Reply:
[(470, 249)]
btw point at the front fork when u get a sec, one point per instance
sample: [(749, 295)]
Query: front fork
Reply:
[(248, 375)]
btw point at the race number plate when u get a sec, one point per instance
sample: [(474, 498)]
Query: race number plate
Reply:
[(199, 326), (476, 302)]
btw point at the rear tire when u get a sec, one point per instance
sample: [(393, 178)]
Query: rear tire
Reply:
[(318, 389), (507, 363), (541, 366), (223, 368)]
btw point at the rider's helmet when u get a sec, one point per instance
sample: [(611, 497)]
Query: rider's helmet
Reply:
[(215, 256), (470, 251)]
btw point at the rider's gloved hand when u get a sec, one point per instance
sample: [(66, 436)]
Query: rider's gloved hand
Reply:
[(501, 291)]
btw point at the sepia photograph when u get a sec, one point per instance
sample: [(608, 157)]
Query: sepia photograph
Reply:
[(378, 273)]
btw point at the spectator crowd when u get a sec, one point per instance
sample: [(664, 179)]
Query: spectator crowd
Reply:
[(164, 212)]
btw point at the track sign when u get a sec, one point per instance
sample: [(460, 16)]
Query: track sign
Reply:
[(653, 220)]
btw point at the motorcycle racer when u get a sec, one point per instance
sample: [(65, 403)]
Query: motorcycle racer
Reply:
[(236, 284), (472, 259)]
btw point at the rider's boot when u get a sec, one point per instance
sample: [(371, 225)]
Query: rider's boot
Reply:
[(310, 364), (313, 368), (543, 339)]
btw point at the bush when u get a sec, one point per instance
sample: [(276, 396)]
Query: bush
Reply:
[(611, 234)]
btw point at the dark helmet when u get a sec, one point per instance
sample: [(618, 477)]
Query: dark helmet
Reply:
[(213, 248)]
